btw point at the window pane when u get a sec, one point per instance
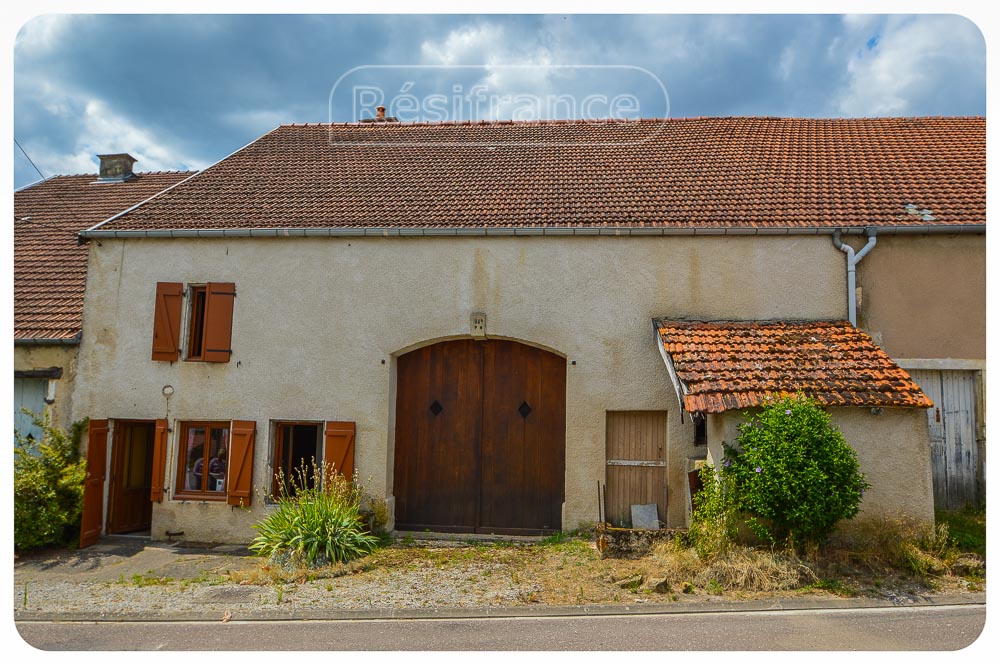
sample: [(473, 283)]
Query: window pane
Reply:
[(218, 459), (195, 456), (197, 322)]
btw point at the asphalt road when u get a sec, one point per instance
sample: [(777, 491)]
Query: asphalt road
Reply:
[(875, 629)]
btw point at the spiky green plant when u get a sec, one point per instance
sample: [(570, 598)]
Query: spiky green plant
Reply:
[(316, 525)]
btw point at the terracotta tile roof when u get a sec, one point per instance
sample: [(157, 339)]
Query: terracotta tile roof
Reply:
[(735, 364), (681, 173), (50, 268)]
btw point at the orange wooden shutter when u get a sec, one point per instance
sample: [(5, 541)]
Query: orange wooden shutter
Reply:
[(93, 484), (239, 485), (338, 448), (219, 297), (159, 460), (167, 321)]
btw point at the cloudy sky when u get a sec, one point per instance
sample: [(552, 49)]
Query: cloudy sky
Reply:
[(180, 92)]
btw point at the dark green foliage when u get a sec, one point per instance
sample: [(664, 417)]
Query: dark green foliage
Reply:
[(793, 474), (316, 526), (48, 486)]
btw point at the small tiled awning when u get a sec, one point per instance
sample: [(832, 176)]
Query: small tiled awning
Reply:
[(723, 365)]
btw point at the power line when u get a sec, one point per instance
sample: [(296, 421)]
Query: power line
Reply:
[(23, 152)]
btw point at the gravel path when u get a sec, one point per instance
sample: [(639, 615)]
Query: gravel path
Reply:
[(123, 578)]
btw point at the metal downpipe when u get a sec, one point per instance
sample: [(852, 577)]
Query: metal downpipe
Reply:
[(853, 259)]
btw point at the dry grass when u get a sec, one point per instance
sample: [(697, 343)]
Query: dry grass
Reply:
[(885, 544), (740, 569)]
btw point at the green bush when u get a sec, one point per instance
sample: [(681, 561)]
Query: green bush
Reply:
[(48, 486), (316, 525), (793, 474)]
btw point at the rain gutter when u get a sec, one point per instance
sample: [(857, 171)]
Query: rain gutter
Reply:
[(483, 230)]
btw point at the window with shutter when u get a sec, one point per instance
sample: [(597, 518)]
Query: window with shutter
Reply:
[(202, 461), (210, 328), (167, 321)]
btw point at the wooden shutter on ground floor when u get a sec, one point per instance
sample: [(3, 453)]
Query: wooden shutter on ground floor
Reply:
[(93, 485), (159, 461), (239, 485), (167, 321), (218, 334), (338, 448)]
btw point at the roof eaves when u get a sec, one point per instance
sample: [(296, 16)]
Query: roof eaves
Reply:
[(680, 389), (480, 230)]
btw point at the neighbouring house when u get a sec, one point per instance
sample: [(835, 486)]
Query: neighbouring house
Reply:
[(50, 272), (460, 312)]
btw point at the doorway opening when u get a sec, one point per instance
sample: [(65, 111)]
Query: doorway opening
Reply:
[(129, 506)]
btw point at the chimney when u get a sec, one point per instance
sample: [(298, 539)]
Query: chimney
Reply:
[(116, 168), (380, 116)]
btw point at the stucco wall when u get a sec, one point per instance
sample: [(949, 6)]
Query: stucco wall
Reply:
[(30, 357), (893, 450), (315, 318), (925, 296)]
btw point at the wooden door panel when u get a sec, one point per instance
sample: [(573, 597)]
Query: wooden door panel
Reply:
[(93, 484), (523, 438), (636, 453), (952, 425), (437, 449)]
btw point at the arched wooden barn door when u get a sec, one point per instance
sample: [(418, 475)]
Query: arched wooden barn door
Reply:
[(480, 438)]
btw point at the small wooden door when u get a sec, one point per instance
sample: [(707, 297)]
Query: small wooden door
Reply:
[(93, 484), (129, 505), (480, 438), (636, 463)]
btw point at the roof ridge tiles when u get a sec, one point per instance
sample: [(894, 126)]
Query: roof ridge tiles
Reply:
[(597, 121)]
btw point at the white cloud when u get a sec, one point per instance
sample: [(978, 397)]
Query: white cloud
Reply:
[(43, 33), (470, 45), (97, 129), (913, 60)]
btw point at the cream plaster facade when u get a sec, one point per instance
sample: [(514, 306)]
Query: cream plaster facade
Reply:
[(893, 452), (924, 296), (319, 322)]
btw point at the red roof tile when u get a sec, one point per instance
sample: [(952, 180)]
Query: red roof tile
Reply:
[(681, 173), (736, 364), (50, 268)]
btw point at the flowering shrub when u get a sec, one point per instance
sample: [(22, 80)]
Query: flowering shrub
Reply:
[(316, 524), (48, 486), (793, 474)]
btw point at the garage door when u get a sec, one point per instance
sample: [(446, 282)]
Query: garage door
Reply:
[(480, 438)]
